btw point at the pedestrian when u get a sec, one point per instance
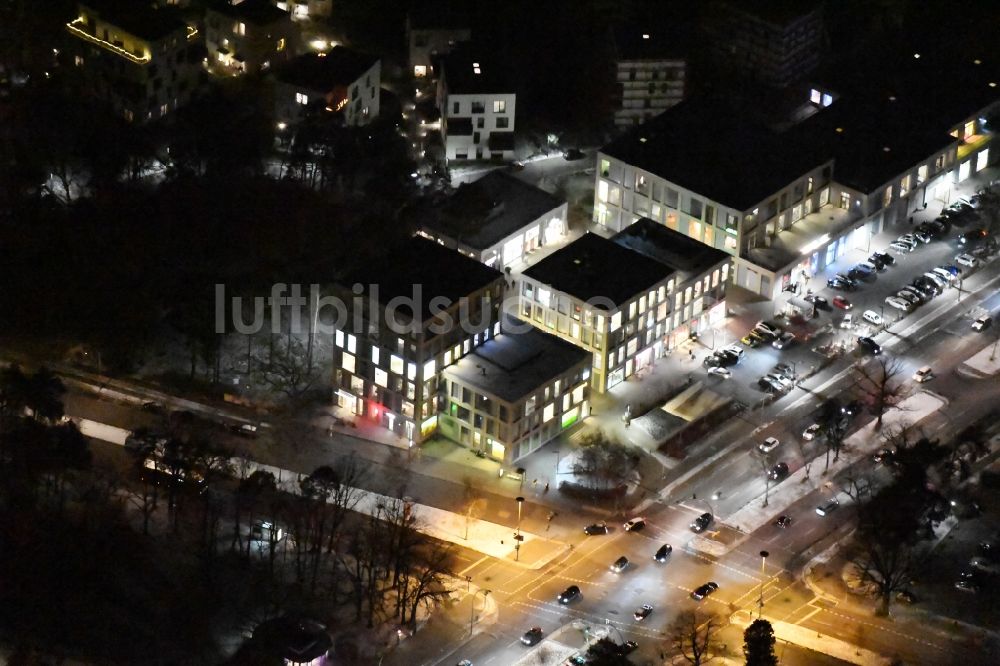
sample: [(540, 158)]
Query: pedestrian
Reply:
[(546, 487), (534, 484)]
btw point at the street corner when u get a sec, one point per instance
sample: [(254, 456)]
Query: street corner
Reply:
[(717, 543)]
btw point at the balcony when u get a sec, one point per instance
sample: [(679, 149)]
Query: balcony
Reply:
[(972, 144)]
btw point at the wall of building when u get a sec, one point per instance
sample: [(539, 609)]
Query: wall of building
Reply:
[(425, 44), (490, 113), (261, 47), (303, 10), (647, 88)]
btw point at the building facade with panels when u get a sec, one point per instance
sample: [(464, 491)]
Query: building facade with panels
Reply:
[(515, 392), (390, 372), (650, 75), (478, 108), (248, 36), (342, 82)]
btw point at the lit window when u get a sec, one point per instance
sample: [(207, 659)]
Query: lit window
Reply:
[(578, 394), (396, 364), (499, 106), (815, 96), (301, 98), (548, 412), (616, 321), (381, 377), (429, 368), (240, 29), (281, 45), (348, 363), (352, 343), (411, 371), (447, 357), (419, 70), (375, 355), (543, 296), (338, 337)]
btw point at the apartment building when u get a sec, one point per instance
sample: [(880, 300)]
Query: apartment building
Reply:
[(306, 10), (605, 298), (650, 73), (141, 60), (498, 219), (342, 83), (774, 42), (388, 354), (248, 36), (515, 392), (477, 105), (433, 29)]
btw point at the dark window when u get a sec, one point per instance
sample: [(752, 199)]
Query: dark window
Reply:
[(454, 107), (503, 123), (480, 123), (478, 107)]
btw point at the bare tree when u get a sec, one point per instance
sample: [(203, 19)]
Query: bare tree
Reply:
[(287, 368), (880, 382), (833, 438), (886, 562), (474, 505), (693, 639), (606, 462), (764, 460)]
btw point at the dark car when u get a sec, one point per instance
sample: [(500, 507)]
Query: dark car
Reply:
[(783, 522), (642, 612), (574, 154), (532, 636), (870, 346), (619, 565), (886, 258), (596, 528), (569, 594), (853, 408), (663, 553), (628, 647), (820, 302), (703, 591), (779, 471), (838, 283), (701, 522)]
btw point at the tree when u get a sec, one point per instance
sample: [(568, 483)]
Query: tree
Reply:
[(758, 644), (605, 652), (605, 462), (694, 640), (474, 505), (833, 438), (764, 459), (879, 381)]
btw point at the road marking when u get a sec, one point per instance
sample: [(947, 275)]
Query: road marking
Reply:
[(474, 565)]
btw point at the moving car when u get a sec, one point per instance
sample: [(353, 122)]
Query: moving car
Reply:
[(882, 456), (982, 323), (619, 565), (596, 528), (779, 471), (663, 553), (973, 237), (642, 612), (532, 636), (703, 591), (810, 433), (853, 408), (784, 341), (842, 303), (924, 374), (635, 524), (701, 523), (872, 317), (735, 350), (828, 507), (783, 522), (966, 586), (719, 371), (569, 594), (847, 321), (967, 260), (768, 445)]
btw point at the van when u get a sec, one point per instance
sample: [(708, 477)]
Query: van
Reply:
[(982, 323)]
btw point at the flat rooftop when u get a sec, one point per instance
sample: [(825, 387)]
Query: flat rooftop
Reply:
[(776, 12), (463, 77), (515, 364), (340, 67), (440, 272), (714, 148), (258, 12), (141, 20), (592, 267), (637, 42), (683, 254), (483, 213)]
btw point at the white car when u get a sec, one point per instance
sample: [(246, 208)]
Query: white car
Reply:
[(944, 275), (738, 350), (635, 524), (809, 434), (847, 321), (898, 303), (967, 260), (936, 279), (924, 374), (872, 317), (768, 445), (719, 371)]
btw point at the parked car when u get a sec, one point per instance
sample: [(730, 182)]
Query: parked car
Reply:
[(882, 456), (810, 433), (827, 507), (872, 317), (911, 297), (596, 528), (770, 385), (842, 284), (662, 553), (701, 523), (532, 636), (847, 321), (574, 154), (820, 302), (784, 341), (779, 471), (635, 524), (852, 408), (619, 565), (899, 303), (783, 522), (868, 267), (753, 339), (569, 594), (783, 369), (735, 350), (900, 247), (768, 445), (785, 382), (884, 257), (967, 260), (719, 371), (870, 346), (923, 235), (769, 328), (703, 591), (937, 279), (954, 270)]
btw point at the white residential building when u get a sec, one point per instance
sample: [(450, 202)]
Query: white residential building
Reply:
[(477, 109)]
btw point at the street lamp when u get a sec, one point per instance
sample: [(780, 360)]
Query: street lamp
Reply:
[(517, 535), (472, 609), (763, 559)]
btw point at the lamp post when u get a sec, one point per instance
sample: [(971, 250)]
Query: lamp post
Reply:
[(517, 535), (760, 604), (472, 610)]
